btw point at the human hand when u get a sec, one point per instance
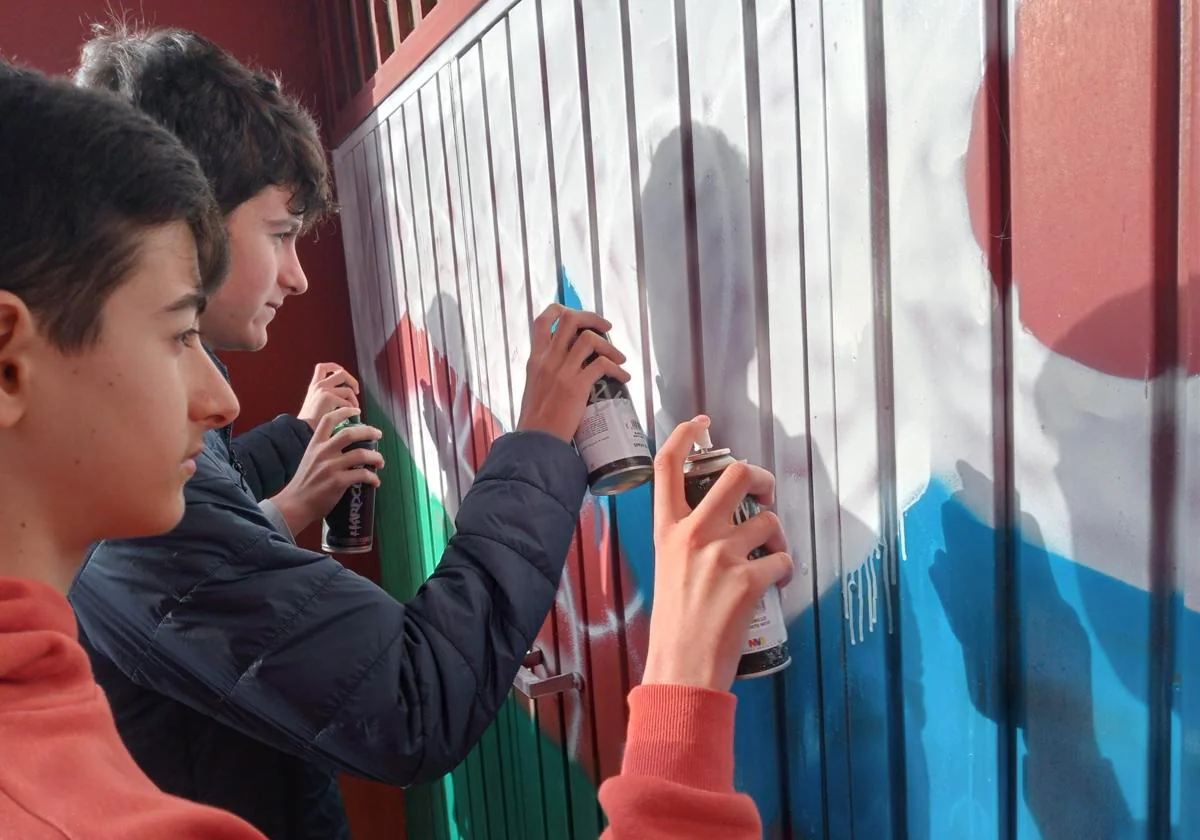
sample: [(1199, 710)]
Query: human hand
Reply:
[(331, 387), (329, 468), (563, 366), (706, 586)]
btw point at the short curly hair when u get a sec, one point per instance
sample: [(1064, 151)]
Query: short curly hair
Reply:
[(245, 131)]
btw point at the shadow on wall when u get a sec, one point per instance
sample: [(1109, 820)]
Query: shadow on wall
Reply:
[(1083, 692), (1102, 434), (458, 424), (1069, 788), (438, 414), (816, 749)]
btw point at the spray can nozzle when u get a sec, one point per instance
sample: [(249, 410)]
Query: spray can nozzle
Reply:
[(704, 441)]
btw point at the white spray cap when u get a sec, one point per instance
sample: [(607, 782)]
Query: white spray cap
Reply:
[(704, 441)]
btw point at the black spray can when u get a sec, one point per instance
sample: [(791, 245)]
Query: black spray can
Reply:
[(611, 440), (765, 648), (350, 526)]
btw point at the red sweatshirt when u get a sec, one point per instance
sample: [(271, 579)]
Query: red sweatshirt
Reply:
[(677, 778), (64, 771), (66, 774)]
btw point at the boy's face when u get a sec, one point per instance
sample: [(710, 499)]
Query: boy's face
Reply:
[(264, 271), (106, 435)]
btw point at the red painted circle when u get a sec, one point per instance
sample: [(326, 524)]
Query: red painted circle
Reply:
[(1084, 151)]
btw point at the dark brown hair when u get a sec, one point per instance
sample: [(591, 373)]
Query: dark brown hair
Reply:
[(245, 131), (82, 177)]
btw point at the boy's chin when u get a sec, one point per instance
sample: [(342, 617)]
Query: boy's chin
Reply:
[(256, 339), (251, 341), (162, 520)]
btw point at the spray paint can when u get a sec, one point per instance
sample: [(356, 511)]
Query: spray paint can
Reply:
[(611, 440), (350, 526), (765, 648)]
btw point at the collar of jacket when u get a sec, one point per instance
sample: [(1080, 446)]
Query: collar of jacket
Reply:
[(216, 360), (227, 431)]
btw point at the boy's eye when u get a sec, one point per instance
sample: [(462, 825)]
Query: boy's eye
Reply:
[(188, 338)]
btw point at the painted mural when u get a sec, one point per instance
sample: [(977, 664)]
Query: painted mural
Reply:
[(929, 260)]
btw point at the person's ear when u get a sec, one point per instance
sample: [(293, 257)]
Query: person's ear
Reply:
[(18, 337)]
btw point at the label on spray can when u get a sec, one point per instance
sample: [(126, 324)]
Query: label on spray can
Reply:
[(768, 630), (350, 527), (610, 431), (765, 647), (610, 439), (355, 521)]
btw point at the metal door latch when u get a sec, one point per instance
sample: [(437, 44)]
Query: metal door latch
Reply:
[(534, 687)]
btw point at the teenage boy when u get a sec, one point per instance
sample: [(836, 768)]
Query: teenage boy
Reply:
[(111, 244)]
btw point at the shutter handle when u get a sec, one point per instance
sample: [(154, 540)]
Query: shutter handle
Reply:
[(534, 687)]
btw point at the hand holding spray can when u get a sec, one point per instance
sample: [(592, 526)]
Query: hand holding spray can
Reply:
[(350, 527), (765, 649), (610, 438)]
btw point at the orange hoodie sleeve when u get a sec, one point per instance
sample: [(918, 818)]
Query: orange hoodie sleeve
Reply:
[(677, 778)]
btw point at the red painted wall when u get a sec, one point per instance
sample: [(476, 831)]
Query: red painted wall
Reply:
[(280, 35)]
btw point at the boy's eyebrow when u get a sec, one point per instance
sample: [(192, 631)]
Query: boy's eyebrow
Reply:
[(289, 222), (194, 301)]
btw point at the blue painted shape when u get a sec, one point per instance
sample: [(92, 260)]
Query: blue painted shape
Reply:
[(949, 579), (568, 295), (1080, 732), (1080, 717), (634, 514), (759, 746), (1186, 771)]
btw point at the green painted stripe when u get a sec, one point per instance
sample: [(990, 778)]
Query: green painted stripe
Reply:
[(499, 791)]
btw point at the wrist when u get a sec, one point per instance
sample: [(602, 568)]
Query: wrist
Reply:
[(544, 428), (294, 512), (684, 670)]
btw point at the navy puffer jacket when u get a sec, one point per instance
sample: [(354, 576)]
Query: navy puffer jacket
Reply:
[(244, 671)]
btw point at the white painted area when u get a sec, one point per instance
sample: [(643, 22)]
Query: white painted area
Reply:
[(654, 57), (788, 340), (505, 178), (816, 266), (361, 280), (610, 117), (1082, 438), (855, 460), (382, 307), (482, 222)]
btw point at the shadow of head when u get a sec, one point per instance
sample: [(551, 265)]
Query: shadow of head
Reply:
[(711, 209), (444, 324), (450, 365)]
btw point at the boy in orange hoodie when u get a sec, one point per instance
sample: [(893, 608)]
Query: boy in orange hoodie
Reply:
[(110, 244)]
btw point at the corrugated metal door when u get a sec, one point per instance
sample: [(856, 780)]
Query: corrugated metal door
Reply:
[(932, 262)]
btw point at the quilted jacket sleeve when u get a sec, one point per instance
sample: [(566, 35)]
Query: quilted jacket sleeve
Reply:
[(270, 453), (292, 648)]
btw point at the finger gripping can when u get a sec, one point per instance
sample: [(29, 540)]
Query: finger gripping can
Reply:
[(765, 648), (611, 440), (350, 527)]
